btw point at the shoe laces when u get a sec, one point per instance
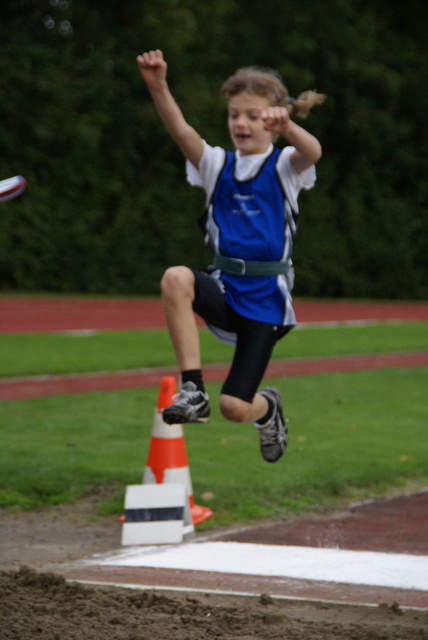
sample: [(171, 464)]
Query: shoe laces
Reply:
[(186, 395), (268, 435), (271, 434)]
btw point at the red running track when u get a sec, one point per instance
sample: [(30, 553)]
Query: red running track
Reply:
[(33, 315), (38, 386), (23, 314)]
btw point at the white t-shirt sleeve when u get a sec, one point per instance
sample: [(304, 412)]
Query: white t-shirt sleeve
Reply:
[(210, 165), (292, 181)]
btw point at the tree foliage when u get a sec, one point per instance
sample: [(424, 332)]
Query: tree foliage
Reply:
[(107, 207)]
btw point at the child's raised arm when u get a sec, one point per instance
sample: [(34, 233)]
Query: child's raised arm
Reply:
[(308, 149), (153, 68)]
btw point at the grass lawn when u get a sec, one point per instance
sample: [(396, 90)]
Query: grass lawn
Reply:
[(43, 354), (351, 436)]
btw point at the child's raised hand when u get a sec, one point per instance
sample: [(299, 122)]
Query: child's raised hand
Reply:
[(153, 67), (275, 119)]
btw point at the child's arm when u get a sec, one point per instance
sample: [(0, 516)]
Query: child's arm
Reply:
[(154, 69), (307, 148)]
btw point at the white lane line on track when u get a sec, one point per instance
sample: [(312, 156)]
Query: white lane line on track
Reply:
[(353, 324), (400, 571)]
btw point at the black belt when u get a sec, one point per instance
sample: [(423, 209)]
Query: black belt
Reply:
[(238, 267)]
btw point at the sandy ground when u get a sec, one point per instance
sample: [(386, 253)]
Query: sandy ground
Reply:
[(45, 606), (37, 602)]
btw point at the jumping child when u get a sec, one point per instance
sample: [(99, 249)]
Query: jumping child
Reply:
[(250, 224)]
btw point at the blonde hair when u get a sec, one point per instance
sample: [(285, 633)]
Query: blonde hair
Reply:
[(267, 83)]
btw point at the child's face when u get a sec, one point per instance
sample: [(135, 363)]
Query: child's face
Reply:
[(245, 124)]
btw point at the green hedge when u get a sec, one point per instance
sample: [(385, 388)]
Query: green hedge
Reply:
[(107, 207)]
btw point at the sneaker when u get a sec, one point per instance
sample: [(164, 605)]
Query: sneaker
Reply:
[(190, 405), (274, 434)]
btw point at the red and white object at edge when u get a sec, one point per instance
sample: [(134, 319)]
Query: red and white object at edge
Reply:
[(12, 187), (167, 457)]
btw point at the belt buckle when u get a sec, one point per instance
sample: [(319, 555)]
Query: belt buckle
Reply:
[(239, 263)]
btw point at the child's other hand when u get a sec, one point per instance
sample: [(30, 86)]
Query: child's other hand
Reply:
[(276, 119), (153, 67)]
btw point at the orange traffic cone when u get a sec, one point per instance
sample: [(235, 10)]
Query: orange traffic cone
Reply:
[(167, 457)]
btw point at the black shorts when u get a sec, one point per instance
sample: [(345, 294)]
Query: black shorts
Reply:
[(255, 340)]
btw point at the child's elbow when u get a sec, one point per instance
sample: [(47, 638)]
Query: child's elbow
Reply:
[(317, 154)]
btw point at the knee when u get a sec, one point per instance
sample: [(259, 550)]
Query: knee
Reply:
[(234, 409), (177, 281)]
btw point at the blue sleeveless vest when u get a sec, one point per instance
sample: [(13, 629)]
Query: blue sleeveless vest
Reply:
[(249, 220)]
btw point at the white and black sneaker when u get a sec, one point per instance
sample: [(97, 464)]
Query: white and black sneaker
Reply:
[(191, 405), (274, 433)]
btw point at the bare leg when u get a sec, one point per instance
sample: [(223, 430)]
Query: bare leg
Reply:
[(237, 410), (178, 292)]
